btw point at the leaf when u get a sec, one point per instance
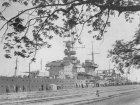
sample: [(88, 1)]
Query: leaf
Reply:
[(50, 37), (6, 38), (19, 27), (64, 1), (16, 39), (18, 20), (6, 4), (23, 51), (5, 47), (71, 23), (25, 3), (9, 34), (2, 18), (49, 46), (42, 5), (33, 59), (7, 56), (19, 46), (19, 54), (40, 12)]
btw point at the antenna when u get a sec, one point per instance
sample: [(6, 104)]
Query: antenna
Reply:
[(93, 53)]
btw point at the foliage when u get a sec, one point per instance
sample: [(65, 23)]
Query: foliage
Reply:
[(126, 54), (39, 20)]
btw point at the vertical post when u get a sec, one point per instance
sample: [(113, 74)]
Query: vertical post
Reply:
[(41, 64), (109, 64), (16, 67), (97, 78), (92, 53), (29, 77), (110, 73), (109, 76)]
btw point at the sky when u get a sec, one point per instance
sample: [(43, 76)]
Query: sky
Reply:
[(120, 29)]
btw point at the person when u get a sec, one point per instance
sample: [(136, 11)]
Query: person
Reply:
[(97, 93)]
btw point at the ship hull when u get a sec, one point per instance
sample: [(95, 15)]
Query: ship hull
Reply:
[(15, 84)]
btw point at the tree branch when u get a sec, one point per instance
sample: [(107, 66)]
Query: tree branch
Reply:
[(4, 33), (35, 8), (104, 26), (118, 8)]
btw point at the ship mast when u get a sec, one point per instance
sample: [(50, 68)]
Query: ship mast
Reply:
[(92, 54)]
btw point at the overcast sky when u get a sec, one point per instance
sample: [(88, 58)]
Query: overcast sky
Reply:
[(120, 29)]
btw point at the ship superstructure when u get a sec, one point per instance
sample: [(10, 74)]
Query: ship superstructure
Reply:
[(65, 68)]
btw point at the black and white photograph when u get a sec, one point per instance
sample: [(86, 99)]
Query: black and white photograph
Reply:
[(69, 52)]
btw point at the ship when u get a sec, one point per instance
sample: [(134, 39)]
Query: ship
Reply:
[(67, 73), (63, 74)]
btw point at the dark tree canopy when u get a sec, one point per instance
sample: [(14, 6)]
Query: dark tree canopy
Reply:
[(39, 20), (126, 54)]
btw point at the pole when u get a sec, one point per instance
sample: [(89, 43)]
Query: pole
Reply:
[(29, 77), (109, 64), (97, 79), (92, 53), (41, 65), (16, 67)]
